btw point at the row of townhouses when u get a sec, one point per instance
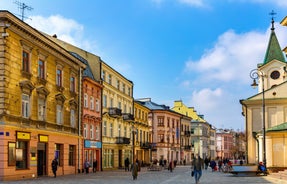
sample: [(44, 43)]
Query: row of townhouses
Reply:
[(59, 101)]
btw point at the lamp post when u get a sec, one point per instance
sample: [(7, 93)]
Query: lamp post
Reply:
[(256, 74)]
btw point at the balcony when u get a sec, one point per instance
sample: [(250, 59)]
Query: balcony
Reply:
[(122, 140), (145, 145), (115, 112), (128, 117), (187, 133), (187, 147)]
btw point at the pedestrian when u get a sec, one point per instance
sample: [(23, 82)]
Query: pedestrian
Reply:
[(197, 168), (170, 166), (206, 162), (95, 164), (54, 167), (127, 163), (87, 166), (213, 165), (134, 170)]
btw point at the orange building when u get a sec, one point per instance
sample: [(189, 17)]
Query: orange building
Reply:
[(39, 103)]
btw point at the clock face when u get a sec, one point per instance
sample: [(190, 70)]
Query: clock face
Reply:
[(275, 74)]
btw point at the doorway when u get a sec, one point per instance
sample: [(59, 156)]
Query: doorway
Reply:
[(120, 158), (41, 160)]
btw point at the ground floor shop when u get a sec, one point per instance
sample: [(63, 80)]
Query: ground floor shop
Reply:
[(28, 153)]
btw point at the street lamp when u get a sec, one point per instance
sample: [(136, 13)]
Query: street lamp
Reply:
[(255, 74)]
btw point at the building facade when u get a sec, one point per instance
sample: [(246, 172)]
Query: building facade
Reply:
[(39, 106)]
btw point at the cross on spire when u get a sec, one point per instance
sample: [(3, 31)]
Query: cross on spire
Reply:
[(272, 13)]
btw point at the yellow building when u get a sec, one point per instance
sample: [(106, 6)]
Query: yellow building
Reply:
[(200, 135), (268, 107), (143, 136), (39, 106)]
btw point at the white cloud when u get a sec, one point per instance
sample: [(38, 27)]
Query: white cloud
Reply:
[(197, 3), (207, 99), (66, 29), (234, 55)]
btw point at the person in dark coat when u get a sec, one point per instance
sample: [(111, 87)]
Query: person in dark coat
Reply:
[(127, 163), (54, 167), (206, 162), (197, 167), (170, 166), (95, 164), (87, 166), (135, 170), (213, 165)]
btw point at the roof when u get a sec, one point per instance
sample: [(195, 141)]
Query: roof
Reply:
[(151, 105), (87, 72), (281, 127), (273, 49)]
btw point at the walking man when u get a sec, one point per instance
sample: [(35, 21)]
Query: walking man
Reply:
[(54, 167), (197, 168)]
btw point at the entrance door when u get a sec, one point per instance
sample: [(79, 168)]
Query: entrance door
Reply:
[(41, 160), (120, 158)]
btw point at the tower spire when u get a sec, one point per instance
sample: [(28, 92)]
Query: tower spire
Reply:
[(272, 13)]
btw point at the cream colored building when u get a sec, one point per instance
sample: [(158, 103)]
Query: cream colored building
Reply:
[(39, 106), (272, 84)]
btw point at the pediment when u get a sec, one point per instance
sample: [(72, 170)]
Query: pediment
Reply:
[(42, 91), (26, 86)]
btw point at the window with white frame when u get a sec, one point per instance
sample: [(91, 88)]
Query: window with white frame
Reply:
[(97, 105), (59, 114), (91, 131), (72, 118), (86, 100), (25, 106), (85, 133), (92, 103), (103, 75), (124, 88), (41, 109), (118, 84), (120, 105), (110, 79)]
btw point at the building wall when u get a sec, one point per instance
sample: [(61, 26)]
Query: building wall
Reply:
[(24, 134)]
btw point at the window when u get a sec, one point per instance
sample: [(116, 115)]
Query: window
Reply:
[(97, 133), (25, 105), (129, 91), (92, 103), (72, 84), (103, 75), (72, 118), (25, 62), (59, 77), (105, 129), (97, 105), (111, 129), (120, 105), (11, 154), (118, 84), (160, 121), (110, 79), (59, 114), (111, 102), (124, 88), (41, 69), (21, 155), (41, 109), (125, 131), (168, 120), (59, 153), (85, 100), (125, 108), (160, 138), (91, 131), (72, 157), (85, 131), (105, 101), (119, 129)]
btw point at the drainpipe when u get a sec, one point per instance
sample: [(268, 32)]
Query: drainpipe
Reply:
[(80, 118)]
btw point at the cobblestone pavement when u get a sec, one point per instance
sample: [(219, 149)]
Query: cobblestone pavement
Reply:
[(181, 175)]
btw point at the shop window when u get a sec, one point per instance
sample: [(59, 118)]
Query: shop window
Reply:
[(11, 154), (21, 155), (59, 153), (72, 156)]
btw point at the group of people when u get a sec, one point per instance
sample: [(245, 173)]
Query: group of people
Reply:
[(55, 163)]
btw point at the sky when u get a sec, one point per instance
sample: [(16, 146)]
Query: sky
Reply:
[(197, 51)]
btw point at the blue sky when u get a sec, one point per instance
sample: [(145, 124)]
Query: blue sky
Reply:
[(197, 51)]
